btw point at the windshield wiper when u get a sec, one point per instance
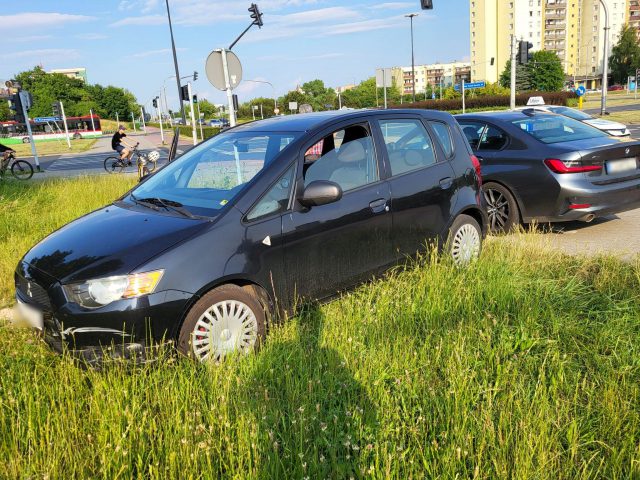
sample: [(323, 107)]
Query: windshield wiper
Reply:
[(167, 204), (143, 202)]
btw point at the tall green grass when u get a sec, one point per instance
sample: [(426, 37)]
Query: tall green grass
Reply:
[(526, 365)]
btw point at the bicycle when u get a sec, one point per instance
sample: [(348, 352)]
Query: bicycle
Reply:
[(145, 163), (20, 169)]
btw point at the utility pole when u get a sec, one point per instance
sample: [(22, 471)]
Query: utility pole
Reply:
[(193, 118), (384, 86), (117, 119), (175, 63), (464, 109), (513, 72), (93, 125), (227, 84), (605, 62), (159, 112), (200, 121), (144, 126), (133, 119), (413, 70), (24, 96), (64, 122)]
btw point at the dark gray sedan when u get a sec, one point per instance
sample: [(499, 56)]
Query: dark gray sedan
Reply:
[(543, 167)]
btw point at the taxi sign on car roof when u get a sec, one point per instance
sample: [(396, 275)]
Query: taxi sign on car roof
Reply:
[(533, 101)]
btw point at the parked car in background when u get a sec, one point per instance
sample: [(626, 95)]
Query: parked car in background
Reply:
[(615, 88), (244, 224), (218, 122), (544, 167), (612, 128)]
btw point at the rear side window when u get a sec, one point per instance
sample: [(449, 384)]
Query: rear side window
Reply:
[(409, 146), (444, 137), (473, 131), (493, 139)]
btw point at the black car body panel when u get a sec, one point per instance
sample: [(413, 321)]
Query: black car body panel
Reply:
[(298, 252), (543, 195)]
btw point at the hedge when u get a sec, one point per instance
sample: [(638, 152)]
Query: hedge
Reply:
[(488, 101), (207, 132)]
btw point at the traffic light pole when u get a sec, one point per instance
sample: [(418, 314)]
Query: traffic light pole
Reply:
[(64, 122), (144, 125), (512, 102), (227, 84), (33, 145), (193, 118)]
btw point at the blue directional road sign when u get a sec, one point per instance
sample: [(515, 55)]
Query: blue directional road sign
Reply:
[(469, 86), (580, 91), (46, 119)]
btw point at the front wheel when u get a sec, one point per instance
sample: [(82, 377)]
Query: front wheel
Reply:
[(465, 240), (113, 165), (227, 320), (22, 170)]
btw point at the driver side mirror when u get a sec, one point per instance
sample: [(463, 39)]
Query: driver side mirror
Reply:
[(320, 192)]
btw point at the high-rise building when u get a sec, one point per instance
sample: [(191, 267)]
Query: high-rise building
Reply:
[(574, 29), (633, 15), (434, 74)]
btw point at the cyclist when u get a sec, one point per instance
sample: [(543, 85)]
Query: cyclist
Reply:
[(6, 151), (119, 145)]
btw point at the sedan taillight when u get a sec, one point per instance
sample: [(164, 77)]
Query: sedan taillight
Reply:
[(476, 166), (569, 166)]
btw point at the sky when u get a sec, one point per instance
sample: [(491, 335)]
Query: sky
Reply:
[(126, 42)]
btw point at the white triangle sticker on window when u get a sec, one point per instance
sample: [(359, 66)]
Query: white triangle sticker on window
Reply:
[(267, 241)]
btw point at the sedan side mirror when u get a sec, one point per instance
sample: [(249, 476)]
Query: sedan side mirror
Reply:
[(320, 192)]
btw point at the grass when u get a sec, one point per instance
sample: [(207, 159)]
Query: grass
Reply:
[(522, 366), (54, 147), (629, 117)]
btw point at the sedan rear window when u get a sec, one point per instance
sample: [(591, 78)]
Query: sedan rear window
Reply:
[(557, 129)]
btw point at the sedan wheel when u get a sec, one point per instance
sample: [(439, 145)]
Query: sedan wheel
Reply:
[(465, 240), (226, 321), (501, 208)]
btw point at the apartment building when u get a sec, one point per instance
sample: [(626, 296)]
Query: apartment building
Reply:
[(434, 74), (633, 15), (574, 29)]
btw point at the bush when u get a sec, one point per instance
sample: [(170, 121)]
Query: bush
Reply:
[(550, 98)]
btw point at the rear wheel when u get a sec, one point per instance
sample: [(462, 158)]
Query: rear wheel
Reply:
[(465, 240), (227, 320), (22, 170), (113, 165), (77, 136), (501, 208)]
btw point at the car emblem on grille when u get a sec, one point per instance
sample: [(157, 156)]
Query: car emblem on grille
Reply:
[(29, 289), (626, 151)]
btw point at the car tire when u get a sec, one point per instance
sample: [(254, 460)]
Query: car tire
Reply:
[(77, 136), (464, 242), (227, 320), (502, 208), (25, 140)]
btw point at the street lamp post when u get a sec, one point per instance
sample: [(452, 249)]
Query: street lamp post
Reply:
[(275, 100), (413, 71), (605, 62)]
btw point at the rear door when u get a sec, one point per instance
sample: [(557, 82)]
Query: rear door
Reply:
[(421, 181)]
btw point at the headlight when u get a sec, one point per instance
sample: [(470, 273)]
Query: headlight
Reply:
[(102, 291)]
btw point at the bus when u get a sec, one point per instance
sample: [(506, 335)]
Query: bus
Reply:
[(50, 128)]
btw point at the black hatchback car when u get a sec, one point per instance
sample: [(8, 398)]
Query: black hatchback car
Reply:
[(539, 166), (207, 249)]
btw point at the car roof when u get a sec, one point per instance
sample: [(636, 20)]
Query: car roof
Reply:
[(504, 115), (304, 122)]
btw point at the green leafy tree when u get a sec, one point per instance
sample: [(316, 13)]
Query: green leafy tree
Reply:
[(545, 71), (5, 111), (625, 55)]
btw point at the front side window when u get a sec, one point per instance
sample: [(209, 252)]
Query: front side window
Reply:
[(493, 139), (473, 131), (345, 157), (212, 174), (557, 129), (409, 146), (276, 199)]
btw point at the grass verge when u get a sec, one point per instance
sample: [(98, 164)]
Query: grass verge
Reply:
[(522, 366), (54, 147)]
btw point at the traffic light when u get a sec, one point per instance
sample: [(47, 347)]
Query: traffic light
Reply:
[(154, 102), (235, 102), (195, 76), (57, 111), (195, 99), (16, 106), (426, 4), (184, 93), (256, 15), (523, 52)]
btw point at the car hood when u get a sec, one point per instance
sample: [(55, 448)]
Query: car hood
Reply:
[(109, 241), (605, 124)]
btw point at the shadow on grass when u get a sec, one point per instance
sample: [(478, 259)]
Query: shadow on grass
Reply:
[(312, 417)]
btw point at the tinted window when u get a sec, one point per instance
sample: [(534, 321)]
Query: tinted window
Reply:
[(472, 131), (557, 129), (493, 139), (444, 137), (275, 200), (210, 175), (408, 145), (345, 157), (570, 112)]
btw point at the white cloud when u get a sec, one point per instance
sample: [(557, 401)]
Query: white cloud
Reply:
[(316, 16), (151, 53), (393, 6), (27, 39), (45, 56), (144, 20), (364, 26), (37, 20)]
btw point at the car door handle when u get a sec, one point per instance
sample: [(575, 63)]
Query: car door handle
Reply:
[(379, 205), (445, 182)]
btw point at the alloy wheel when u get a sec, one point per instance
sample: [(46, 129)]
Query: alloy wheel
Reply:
[(497, 209), (224, 328)]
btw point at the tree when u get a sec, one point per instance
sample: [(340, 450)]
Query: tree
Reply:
[(5, 111), (545, 71), (523, 82), (625, 56)]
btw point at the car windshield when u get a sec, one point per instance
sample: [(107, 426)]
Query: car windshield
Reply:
[(571, 113), (212, 174), (557, 128)]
